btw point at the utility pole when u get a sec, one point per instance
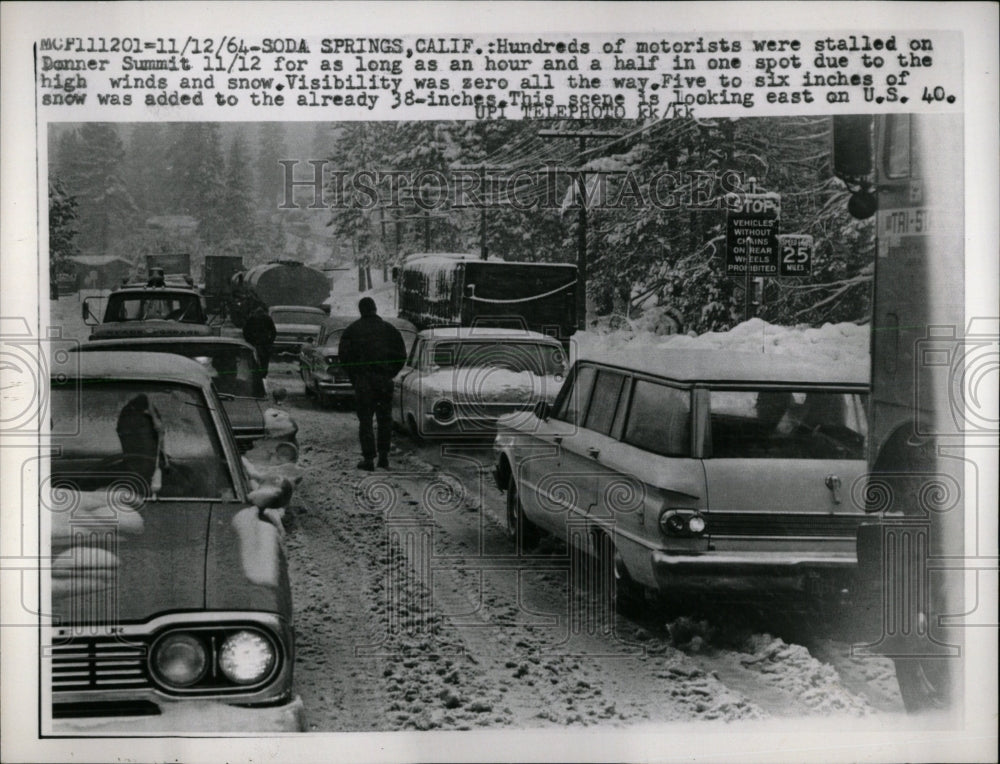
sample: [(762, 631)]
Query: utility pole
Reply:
[(581, 234)]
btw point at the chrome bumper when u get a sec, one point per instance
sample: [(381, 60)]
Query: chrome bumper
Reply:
[(192, 716), (763, 572)]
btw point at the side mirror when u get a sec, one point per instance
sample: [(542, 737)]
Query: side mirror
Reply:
[(272, 495), (88, 318), (542, 410), (278, 394)]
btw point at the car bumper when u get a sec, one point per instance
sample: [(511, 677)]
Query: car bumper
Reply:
[(192, 716), (757, 572), (461, 426), (335, 388)]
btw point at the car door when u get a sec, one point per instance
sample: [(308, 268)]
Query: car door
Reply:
[(405, 388), (549, 470), (780, 466), (585, 454), (310, 356)]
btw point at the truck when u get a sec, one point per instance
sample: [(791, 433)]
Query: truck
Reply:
[(155, 308), (219, 272), (464, 290), (288, 282), (906, 171)]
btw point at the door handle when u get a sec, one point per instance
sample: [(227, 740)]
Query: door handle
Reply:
[(594, 453)]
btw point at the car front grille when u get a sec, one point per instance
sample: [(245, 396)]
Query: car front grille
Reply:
[(336, 371), (102, 663), (776, 524)]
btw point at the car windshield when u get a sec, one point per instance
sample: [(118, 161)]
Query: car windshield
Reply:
[(536, 357), (787, 424), (142, 307), (139, 438), (297, 317)]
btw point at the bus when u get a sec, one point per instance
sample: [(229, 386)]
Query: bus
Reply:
[(906, 171)]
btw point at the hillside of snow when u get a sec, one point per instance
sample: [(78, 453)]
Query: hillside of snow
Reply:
[(839, 345)]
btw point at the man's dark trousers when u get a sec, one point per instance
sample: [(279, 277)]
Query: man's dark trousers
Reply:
[(373, 396)]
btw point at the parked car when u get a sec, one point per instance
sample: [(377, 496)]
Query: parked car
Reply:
[(319, 364), (257, 423), (693, 470), (170, 598), (295, 325), (457, 381)]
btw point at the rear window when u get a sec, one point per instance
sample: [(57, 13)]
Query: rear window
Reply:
[(659, 419), (297, 317), (787, 424), (538, 358)]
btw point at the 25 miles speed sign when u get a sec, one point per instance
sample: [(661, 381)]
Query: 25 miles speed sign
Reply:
[(796, 255)]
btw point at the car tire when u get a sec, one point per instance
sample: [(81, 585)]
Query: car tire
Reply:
[(925, 684), (524, 533), (611, 576)]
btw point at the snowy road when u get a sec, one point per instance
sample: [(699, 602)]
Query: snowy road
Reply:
[(414, 612)]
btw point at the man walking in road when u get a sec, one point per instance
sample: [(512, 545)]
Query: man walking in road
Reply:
[(372, 352), (259, 331)]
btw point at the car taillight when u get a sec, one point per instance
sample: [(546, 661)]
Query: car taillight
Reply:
[(683, 523)]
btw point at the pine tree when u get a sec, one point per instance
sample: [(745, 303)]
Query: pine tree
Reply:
[(96, 180), (270, 174)]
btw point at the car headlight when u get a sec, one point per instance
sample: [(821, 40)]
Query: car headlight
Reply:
[(246, 657), (683, 523), (179, 660), (443, 411), (330, 359)]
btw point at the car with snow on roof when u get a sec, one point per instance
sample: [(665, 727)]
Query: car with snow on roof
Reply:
[(170, 602), (257, 422), (458, 381), (319, 362), (686, 471)]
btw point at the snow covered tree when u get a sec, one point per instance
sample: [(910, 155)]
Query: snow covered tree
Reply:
[(97, 181)]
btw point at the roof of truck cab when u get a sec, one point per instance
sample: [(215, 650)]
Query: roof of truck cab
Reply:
[(728, 366)]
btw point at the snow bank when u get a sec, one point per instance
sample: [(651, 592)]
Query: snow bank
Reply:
[(842, 346)]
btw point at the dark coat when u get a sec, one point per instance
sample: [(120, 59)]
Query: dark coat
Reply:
[(259, 329), (371, 346)]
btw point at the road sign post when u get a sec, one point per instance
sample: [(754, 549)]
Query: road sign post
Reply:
[(752, 247)]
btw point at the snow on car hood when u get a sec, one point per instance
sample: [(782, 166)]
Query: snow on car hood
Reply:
[(490, 384)]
